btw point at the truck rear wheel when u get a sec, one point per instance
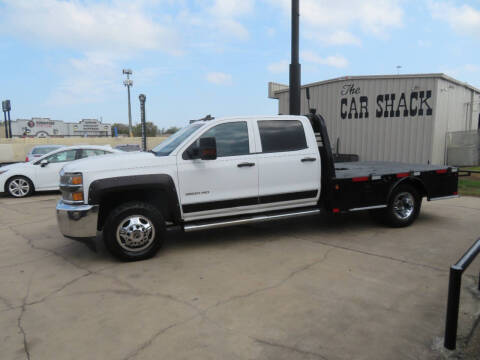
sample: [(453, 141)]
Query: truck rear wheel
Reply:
[(134, 231), (403, 206)]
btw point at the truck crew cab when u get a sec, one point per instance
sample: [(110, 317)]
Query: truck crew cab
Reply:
[(234, 171)]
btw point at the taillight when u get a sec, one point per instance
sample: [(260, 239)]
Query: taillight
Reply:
[(26, 159)]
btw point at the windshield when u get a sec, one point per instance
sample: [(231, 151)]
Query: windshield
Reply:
[(167, 146)]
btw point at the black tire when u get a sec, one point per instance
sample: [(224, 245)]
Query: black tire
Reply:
[(124, 235), (19, 187), (403, 206)]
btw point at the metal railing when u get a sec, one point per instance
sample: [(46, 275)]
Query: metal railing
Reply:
[(454, 287)]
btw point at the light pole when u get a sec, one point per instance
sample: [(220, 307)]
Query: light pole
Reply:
[(142, 98), (128, 83), (295, 69)]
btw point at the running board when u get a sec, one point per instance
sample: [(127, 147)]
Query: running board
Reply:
[(444, 197), (248, 220)]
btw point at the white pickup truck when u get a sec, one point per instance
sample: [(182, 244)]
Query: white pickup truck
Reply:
[(234, 171)]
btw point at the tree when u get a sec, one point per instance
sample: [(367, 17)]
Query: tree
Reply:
[(151, 128), (122, 129), (171, 130)]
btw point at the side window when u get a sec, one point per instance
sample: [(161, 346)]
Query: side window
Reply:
[(91, 152), (282, 135), (231, 138), (62, 156)]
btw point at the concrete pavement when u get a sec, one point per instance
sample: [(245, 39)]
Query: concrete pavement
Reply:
[(308, 288)]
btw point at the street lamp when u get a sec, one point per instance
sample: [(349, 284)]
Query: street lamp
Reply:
[(128, 83)]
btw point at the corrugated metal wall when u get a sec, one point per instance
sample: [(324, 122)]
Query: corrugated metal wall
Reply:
[(454, 113), (412, 138)]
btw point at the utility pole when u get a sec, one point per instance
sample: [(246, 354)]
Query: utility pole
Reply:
[(142, 118), (128, 83), (295, 68)]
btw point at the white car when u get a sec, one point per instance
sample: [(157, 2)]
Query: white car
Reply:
[(22, 179)]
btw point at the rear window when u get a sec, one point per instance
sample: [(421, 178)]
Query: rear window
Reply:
[(282, 135), (43, 150)]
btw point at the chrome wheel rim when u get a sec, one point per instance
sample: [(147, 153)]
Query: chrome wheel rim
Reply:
[(403, 205), (135, 233), (19, 187)]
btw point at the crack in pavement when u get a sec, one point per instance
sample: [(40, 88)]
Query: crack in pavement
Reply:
[(149, 342), (7, 303), (273, 286), (25, 262), (374, 254), (291, 348), (51, 251), (7, 226), (203, 313), (19, 320)]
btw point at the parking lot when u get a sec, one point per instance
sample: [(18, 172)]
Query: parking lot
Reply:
[(301, 289)]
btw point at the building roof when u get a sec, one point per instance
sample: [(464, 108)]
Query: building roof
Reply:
[(276, 88)]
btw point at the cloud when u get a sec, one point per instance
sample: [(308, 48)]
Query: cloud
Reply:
[(88, 79), (225, 14), (118, 26), (462, 19), (461, 72), (271, 31), (100, 36), (218, 18), (278, 67), (334, 22), (219, 78), (340, 37), (337, 61)]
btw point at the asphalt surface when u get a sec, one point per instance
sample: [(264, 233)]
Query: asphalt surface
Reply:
[(312, 288)]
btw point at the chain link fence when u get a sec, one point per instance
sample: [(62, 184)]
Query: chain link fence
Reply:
[(463, 148)]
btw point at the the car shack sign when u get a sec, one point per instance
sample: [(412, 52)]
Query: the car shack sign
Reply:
[(355, 106)]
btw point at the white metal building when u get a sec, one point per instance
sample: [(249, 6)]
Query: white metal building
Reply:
[(45, 127), (390, 117)]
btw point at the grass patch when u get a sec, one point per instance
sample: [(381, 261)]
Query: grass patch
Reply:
[(469, 186), (474, 168)]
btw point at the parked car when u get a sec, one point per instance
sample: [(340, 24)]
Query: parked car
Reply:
[(235, 171), (128, 147), (39, 150), (22, 179)]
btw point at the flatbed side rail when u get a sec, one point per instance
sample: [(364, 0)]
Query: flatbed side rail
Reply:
[(454, 287)]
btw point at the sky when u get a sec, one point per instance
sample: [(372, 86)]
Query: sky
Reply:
[(63, 59)]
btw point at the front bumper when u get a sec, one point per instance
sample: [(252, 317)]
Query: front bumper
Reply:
[(77, 221)]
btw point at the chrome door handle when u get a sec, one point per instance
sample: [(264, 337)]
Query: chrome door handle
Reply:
[(308, 159), (246, 164)]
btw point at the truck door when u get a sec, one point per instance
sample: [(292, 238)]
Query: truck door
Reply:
[(225, 186), (289, 164)]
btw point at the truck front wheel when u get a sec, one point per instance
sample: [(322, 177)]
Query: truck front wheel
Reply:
[(134, 231), (403, 206)]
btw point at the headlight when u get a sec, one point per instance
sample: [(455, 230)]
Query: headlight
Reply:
[(71, 185)]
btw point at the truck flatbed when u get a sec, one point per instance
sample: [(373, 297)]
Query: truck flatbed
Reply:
[(349, 170)]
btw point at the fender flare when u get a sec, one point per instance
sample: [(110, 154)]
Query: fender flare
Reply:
[(98, 189), (410, 179)]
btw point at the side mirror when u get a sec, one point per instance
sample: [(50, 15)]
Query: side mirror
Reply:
[(44, 163), (208, 148)]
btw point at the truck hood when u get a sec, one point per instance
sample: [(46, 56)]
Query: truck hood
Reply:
[(118, 161)]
